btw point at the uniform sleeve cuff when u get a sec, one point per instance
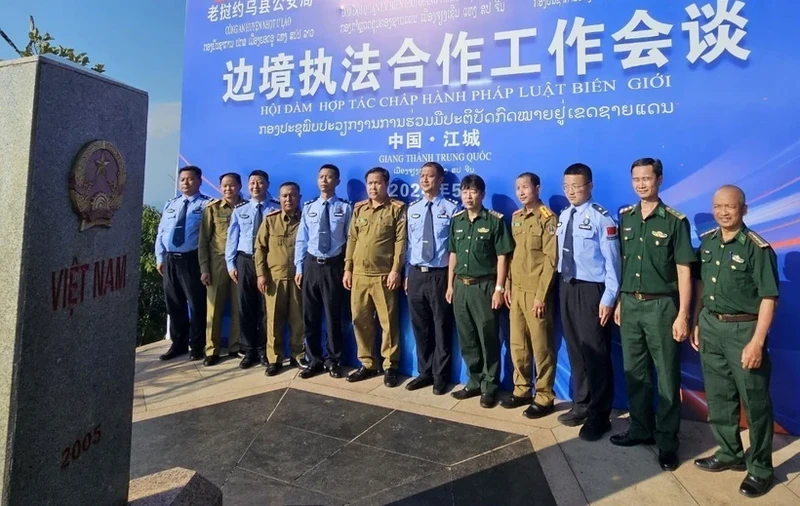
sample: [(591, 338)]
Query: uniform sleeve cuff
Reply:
[(348, 265), (607, 300)]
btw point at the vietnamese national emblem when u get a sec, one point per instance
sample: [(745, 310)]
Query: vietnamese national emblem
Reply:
[(96, 184)]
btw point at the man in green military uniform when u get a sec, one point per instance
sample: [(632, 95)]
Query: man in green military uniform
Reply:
[(529, 299), (274, 257), (479, 245), (653, 311), (739, 287), (214, 272)]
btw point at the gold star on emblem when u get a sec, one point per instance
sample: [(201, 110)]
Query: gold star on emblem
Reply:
[(101, 164)]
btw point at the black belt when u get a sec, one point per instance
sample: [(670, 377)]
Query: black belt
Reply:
[(324, 261), (468, 280), (424, 268), (734, 317), (242, 253), (181, 255), (648, 296), (576, 281)]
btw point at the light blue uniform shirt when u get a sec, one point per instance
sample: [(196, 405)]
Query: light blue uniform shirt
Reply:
[(241, 229), (443, 210), (307, 242), (169, 218), (596, 244)]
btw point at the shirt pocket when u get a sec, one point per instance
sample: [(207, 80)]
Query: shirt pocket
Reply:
[(483, 242), (741, 272), (535, 237), (660, 242), (441, 227)]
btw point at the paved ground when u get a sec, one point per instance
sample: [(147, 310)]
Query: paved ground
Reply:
[(284, 440)]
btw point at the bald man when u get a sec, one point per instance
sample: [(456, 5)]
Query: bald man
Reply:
[(738, 284)]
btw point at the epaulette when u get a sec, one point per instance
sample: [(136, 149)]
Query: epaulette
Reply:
[(460, 212), (545, 211), (708, 232), (242, 203), (346, 201), (275, 201), (452, 201), (600, 209), (173, 199), (273, 212), (415, 202), (760, 242), (496, 214), (214, 202), (309, 202), (397, 203), (362, 203), (627, 209), (675, 213), (205, 197), (518, 211)]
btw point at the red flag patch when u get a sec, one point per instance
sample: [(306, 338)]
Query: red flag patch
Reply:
[(611, 231)]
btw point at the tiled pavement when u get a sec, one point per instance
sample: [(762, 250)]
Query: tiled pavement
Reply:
[(284, 440)]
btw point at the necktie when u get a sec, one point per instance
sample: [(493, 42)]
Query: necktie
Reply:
[(568, 262), (257, 222), (179, 233), (325, 230), (428, 240)]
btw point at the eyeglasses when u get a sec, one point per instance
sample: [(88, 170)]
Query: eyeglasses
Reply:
[(574, 187)]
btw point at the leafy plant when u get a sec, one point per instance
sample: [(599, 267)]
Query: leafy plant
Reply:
[(41, 44), (152, 322)]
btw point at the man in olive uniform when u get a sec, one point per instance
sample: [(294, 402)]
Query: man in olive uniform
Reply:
[(529, 299), (373, 262), (653, 311), (275, 270), (479, 245), (739, 287), (214, 273)]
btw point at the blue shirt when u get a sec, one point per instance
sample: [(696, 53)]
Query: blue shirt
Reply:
[(340, 212), (241, 230), (443, 210), (596, 245), (169, 218)]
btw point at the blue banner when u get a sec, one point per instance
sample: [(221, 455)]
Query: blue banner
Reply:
[(500, 87)]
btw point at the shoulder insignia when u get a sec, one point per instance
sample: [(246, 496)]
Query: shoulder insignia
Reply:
[(273, 212), (215, 202), (675, 213), (452, 201), (496, 214), (760, 242), (242, 203), (517, 212), (397, 203), (460, 212), (415, 202), (275, 201), (545, 211), (600, 209), (361, 203), (205, 197), (708, 233), (627, 209), (309, 202), (173, 199)]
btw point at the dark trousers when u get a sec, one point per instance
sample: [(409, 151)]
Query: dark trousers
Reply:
[(588, 347), (182, 285), (323, 292), (432, 321), (253, 336)]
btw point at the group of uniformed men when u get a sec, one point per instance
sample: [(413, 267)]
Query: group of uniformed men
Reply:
[(278, 264)]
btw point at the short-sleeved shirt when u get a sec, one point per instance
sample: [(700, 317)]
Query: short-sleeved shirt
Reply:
[(477, 243), (214, 232), (738, 273), (652, 248), (376, 242), (533, 263), (275, 245)]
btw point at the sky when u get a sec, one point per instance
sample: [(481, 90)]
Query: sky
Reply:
[(140, 43)]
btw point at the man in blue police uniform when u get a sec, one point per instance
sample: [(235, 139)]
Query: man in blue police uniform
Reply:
[(178, 263), (589, 267), (426, 279), (239, 250), (319, 260)]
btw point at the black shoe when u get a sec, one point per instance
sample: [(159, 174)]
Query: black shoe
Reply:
[(234, 354), (390, 378), (335, 370), (419, 382), (262, 360), (593, 430), (361, 374), (573, 418), (211, 360), (248, 361), (538, 411), (713, 465), (668, 460), (754, 487), (311, 371), (625, 439), (487, 401), (466, 393), (172, 353), (194, 356), (302, 363), (515, 402), (273, 369), (439, 387)]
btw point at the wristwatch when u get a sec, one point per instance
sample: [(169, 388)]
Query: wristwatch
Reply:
[(499, 288)]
